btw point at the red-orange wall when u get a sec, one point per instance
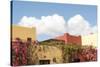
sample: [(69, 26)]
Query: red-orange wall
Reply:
[(70, 39)]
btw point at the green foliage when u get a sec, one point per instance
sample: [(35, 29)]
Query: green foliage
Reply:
[(31, 54), (69, 50)]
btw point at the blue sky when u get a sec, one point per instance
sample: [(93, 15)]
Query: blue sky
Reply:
[(38, 9)]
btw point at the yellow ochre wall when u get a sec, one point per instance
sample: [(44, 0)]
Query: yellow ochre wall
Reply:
[(90, 40), (23, 32), (49, 52)]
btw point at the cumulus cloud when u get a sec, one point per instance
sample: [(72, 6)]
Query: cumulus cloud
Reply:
[(49, 25), (55, 24), (77, 25)]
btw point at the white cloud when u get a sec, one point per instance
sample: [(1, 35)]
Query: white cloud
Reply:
[(28, 21), (49, 25), (55, 25), (77, 25)]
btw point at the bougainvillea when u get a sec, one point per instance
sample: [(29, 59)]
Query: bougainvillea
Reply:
[(19, 53), (26, 52)]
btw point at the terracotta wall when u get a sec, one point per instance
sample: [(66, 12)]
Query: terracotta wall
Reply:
[(70, 39)]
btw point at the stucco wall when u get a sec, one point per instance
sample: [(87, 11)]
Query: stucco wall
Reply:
[(46, 52), (70, 39), (90, 40), (23, 32)]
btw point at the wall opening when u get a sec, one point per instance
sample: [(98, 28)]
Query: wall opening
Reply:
[(44, 61)]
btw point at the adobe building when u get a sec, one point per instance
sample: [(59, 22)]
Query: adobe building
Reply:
[(90, 40), (70, 39), (21, 36), (45, 54), (31, 54), (52, 41), (23, 32)]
